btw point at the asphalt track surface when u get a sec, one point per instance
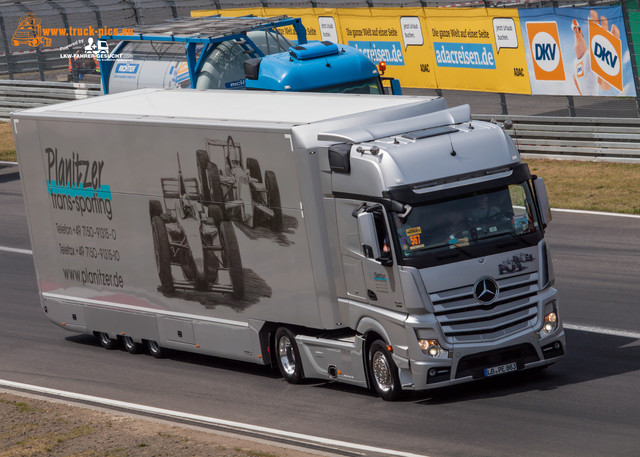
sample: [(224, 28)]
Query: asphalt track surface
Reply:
[(586, 405)]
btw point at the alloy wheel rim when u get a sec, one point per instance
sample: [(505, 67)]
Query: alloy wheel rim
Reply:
[(287, 357), (382, 372)]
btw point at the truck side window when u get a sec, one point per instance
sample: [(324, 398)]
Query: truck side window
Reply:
[(383, 235)]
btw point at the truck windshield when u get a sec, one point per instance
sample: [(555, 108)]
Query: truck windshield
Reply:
[(369, 86), (472, 225)]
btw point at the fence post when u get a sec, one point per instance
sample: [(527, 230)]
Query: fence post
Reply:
[(65, 18), (40, 60), (503, 103), (572, 106), (95, 10)]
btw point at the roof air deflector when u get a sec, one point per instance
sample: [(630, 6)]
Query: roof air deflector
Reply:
[(428, 133)]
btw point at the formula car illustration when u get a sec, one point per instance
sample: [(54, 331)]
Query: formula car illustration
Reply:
[(239, 192), (194, 247)]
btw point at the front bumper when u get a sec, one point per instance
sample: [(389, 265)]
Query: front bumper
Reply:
[(468, 364)]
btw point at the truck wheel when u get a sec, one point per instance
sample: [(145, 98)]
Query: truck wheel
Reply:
[(155, 350), (233, 261), (105, 341), (383, 372), (202, 161), (155, 208), (131, 346), (288, 356), (254, 169), (163, 253), (273, 200)]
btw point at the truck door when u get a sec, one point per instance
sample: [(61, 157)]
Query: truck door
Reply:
[(380, 272), (367, 279)]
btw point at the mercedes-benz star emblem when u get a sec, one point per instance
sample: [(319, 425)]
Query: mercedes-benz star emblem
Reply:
[(486, 290)]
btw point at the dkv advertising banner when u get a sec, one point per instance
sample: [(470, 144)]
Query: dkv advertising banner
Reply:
[(577, 51)]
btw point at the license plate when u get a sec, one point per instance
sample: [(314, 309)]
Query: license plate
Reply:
[(502, 369)]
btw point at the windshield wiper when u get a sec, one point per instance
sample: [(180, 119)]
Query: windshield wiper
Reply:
[(455, 252), (518, 237)]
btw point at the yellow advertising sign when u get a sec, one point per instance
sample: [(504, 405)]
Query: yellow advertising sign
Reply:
[(478, 49), (312, 19), (395, 35)]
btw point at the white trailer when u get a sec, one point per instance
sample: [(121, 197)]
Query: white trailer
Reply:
[(385, 242)]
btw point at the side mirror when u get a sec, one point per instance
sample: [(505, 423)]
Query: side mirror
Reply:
[(543, 200), (368, 235)]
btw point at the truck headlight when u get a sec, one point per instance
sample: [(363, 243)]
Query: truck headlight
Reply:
[(430, 347), (550, 324)]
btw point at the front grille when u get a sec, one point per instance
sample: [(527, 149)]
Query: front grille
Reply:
[(465, 320)]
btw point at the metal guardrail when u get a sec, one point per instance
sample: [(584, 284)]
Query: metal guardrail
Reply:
[(17, 95), (574, 138)]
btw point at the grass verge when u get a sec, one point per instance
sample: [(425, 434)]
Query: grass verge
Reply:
[(593, 186), (7, 147)]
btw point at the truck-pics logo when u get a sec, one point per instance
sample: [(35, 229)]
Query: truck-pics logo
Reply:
[(29, 32), (76, 185), (606, 53), (544, 43)]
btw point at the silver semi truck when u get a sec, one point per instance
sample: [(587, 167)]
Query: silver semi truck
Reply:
[(385, 242)]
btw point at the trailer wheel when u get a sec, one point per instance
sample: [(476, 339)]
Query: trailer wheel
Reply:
[(383, 372), (288, 356), (232, 259), (155, 208), (273, 200), (105, 341), (254, 169), (155, 350), (202, 161), (131, 346), (163, 253)]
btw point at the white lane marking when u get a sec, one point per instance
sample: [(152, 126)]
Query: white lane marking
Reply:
[(595, 213), (206, 420), (602, 330), (2, 162), (16, 250)]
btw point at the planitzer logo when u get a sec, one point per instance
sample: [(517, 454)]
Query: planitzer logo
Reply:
[(76, 185)]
